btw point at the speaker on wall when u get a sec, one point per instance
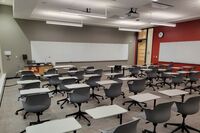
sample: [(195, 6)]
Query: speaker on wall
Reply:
[(24, 57)]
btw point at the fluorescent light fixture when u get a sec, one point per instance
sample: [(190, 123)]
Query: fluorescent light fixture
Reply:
[(163, 24), (130, 22), (93, 15), (154, 0), (65, 23), (129, 29), (164, 15)]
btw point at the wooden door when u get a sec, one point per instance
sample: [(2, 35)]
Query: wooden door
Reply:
[(141, 52)]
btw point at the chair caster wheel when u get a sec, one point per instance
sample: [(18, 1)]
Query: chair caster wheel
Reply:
[(165, 125), (129, 109), (58, 103), (123, 103), (143, 131), (89, 124), (145, 105), (24, 118), (61, 107), (142, 110), (102, 98), (75, 106), (16, 113), (124, 97)]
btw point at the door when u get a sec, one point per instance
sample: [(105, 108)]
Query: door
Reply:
[(141, 52)]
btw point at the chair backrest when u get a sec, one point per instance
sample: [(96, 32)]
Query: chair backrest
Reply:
[(92, 81), (80, 95), (193, 76), (151, 74), (161, 113), (28, 77), (98, 71), (137, 86), (23, 73), (116, 77), (73, 69), (79, 75), (117, 68), (178, 78), (51, 71), (190, 106), (68, 81), (90, 67), (37, 103), (31, 85), (130, 127), (134, 70), (54, 79), (115, 90)]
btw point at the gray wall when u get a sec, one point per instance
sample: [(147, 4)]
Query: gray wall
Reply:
[(16, 35)]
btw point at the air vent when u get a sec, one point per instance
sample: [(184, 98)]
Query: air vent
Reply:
[(159, 5)]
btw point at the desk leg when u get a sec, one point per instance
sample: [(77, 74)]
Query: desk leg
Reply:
[(111, 70), (123, 71), (120, 116), (154, 103), (182, 98), (75, 131)]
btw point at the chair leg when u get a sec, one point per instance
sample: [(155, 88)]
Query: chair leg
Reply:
[(95, 96), (154, 129), (80, 114), (38, 119), (123, 94), (17, 112)]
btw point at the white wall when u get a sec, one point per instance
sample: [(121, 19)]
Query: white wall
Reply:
[(1, 66)]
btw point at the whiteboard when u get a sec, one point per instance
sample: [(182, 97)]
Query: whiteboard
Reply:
[(43, 51), (180, 52)]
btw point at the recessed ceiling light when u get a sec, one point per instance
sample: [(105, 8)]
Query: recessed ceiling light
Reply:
[(154, 0), (129, 22)]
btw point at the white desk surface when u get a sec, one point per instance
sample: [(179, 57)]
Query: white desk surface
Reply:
[(23, 82), (142, 66), (171, 73), (91, 70), (76, 86), (106, 82), (187, 67), (111, 74), (144, 97), (90, 75), (174, 92), (34, 91), (49, 75), (55, 126), (105, 111), (64, 66), (176, 67), (72, 71), (69, 77), (146, 69), (183, 72), (24, 71), (194, 71), (37, 75), (129, 78), (83, 67), (162, 70)]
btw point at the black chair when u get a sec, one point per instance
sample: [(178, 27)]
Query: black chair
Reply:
[(129, 127), (114, 91), (28, 77), (117, 69), (64, 89), (37, 103), (51, 71), (192, 79), (160, 114), (80, 96), (99, 71), (134, 71), (27, 73), (151, 76), (136, 86), (89, 72), (164, 77), (92, 83), (79, 75), (27, 86), (189, 107), (54, 81), (177, 80)]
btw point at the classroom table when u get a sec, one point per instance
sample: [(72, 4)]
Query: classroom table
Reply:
[(63, 66), (106, 111), (49, 75), (90, 75), (123, 68), (55, 126), (34, 91), (171, 73), (174, 92), (183, 72), (129, 78), (76, 86), (145, 97), (68, 77), (162, 70), (24, 82), (106, 83)]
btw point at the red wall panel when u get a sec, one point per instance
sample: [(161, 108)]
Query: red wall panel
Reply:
[(185, 31)]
